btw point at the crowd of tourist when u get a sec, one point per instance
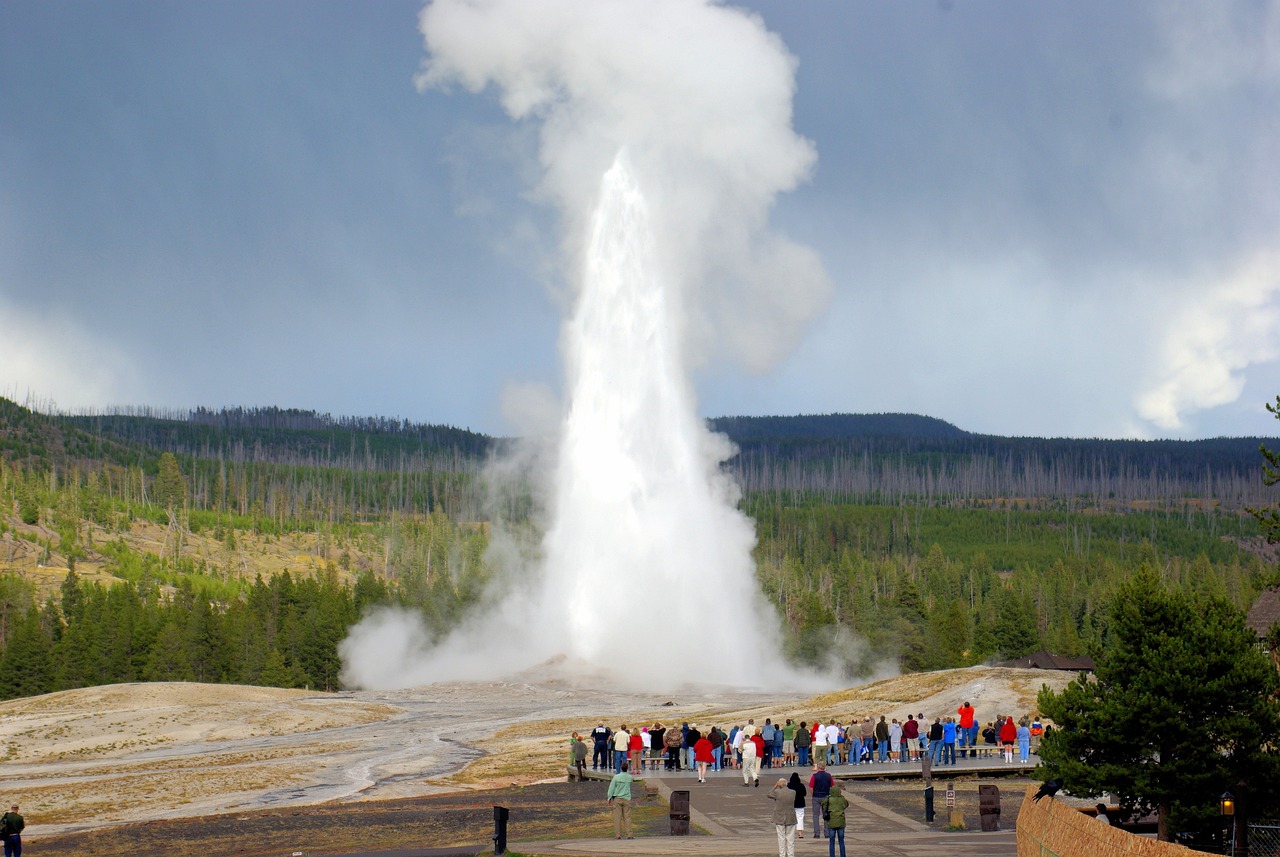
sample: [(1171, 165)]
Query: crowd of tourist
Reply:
[(750, 747), (753, 747)]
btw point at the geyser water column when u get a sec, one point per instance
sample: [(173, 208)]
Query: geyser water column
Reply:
[(644, 567), (645, 538)]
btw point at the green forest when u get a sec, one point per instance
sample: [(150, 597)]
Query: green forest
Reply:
[(240, 545)]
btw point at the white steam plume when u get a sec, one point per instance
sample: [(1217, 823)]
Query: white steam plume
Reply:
[(668, 251)]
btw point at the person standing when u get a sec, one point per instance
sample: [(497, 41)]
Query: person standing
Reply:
[(819, 787), (703, 756), (11, 825), (789, 745), (968, 729), (882, 740), (766, 735), (621, 745), (820, 745), (802, 741), (949, 741), (784, 817), (673, 738), (833, 743), (833, 810), (868, 731), (619, 795), (1024, 741), (635, 751), (736, 736), (895, 741), (750, 758), (797, 786), (600, 757), (657, 741), (716, 737), (910, 734), (1037, 731), (579, 750), (935, 740), (691, 739), (853, 741), (1008, 736)]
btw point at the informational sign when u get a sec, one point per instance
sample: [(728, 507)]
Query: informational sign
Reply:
[(951, 797)]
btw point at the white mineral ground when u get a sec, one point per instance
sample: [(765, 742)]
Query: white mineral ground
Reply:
[(136, 752)]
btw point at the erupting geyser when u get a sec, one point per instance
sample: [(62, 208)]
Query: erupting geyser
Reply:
[(644, 572), (642, 518)]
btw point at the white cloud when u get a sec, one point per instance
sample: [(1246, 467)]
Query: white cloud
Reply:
[(1212, 47), (1219, 331)]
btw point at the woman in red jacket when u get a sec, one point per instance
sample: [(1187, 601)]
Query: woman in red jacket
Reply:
[(1008, 736), (703, 754)]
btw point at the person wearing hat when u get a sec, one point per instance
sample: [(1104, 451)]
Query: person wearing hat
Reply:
[(11, 825)]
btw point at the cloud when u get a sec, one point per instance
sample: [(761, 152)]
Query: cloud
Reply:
[(1218, 332), (1210, 48)]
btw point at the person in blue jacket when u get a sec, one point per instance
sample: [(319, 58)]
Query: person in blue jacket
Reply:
[(949, 741)]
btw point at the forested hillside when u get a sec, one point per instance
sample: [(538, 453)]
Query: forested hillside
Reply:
[(239, 545), (893, 459)]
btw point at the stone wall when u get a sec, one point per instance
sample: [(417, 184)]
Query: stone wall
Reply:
[(1051, 828)]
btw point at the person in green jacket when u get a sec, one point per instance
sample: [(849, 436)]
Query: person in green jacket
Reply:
[(833, 807), (619, 795)]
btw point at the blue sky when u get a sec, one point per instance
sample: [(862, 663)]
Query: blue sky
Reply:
[(1059, 218)]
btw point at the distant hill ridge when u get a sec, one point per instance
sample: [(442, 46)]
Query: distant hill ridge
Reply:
[(888, 458), (836, 426)]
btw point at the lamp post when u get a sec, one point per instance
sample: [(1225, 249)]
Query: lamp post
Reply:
[(1227, 809), (1239, 829), (1230, 808)]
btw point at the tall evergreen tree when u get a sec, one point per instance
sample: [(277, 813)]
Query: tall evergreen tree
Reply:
[(169, 491), (1183, 707), (1015, 626)]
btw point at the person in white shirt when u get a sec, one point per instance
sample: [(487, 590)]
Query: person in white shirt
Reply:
[(820, 745)]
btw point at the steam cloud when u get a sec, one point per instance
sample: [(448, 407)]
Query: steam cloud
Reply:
[(664, 135)]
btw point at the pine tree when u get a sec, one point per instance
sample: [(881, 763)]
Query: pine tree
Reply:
[(1182, 707), (26, 666), (1015, 626), (170, 488), (167, 660), (1270, 518)]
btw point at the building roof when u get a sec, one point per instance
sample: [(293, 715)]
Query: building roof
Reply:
[(1265, 611), (1044, 660)]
